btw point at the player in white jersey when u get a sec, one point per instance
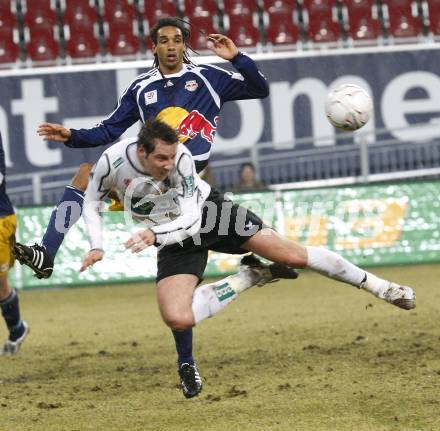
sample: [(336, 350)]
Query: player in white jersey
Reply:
[(169, 199), (157, 180)]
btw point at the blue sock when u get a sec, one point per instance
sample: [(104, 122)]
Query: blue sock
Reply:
[(11, 313), (64, 216), (184, 346)]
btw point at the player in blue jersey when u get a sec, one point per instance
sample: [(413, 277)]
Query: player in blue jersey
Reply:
[(18, 329), (186, 96)]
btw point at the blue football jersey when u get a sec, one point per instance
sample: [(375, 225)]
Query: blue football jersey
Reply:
[(5, 204), (189, 101)]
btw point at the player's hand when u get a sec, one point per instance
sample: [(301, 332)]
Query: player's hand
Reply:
[(53, 132), (141, 240), (91, 258), (222, 46)]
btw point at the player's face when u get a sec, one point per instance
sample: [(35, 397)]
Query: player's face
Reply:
[(169, 49), (160, 162)]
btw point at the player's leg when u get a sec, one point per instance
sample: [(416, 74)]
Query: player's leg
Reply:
[(174, 295), (181, 307), (211, 298), (277, 248), (41, 258), (9, 303)]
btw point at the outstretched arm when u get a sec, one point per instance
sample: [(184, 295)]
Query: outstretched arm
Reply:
[(125, 114), (250, 83), (99, 186)]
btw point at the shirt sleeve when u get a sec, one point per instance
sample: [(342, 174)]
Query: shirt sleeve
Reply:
[(125, 114), (249, 83), (189, 221), (99, 186)]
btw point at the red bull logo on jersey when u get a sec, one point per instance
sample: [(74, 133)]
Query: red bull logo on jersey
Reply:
[(195, 123), (188, 124)]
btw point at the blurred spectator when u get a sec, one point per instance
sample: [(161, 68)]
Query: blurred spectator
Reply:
[(248, 180)]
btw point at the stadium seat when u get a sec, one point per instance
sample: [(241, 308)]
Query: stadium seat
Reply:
[(241, 30), (121, 28), (402, 18), (200, 8), (201, 26), (432, 16), (323, 31), (82, 45), (361, 20), (240, 18), (8, 21), (123, 44), (278, 18), (152, 10), (27, 5), (42, 46), (39, 19), (240, 7), (9, 50), (6, 5), (321, 20), (81, 27), (119, 12), (281, 30), (80, 16), (279, 6)]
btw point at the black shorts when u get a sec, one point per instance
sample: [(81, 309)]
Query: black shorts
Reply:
[(225, 227)]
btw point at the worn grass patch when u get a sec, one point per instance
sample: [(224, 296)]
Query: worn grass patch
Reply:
[(307, 355)]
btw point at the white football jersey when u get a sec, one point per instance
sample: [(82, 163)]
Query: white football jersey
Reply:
[(170, 208)]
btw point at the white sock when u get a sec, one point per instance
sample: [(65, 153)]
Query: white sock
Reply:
[(334, 266), (375, 285), (209, 299)]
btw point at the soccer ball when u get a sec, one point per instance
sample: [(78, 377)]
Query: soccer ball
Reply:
[(348, 107)]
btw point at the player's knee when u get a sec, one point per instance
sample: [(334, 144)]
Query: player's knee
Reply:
[(81, 178), (179, 321)]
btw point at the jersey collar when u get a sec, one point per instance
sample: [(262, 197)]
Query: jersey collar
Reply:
[(178, 74)]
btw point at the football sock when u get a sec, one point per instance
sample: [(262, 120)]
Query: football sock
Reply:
[(209, 299), (11, 313), (375, 285), (184, 346), (64, 216), (334, 266)]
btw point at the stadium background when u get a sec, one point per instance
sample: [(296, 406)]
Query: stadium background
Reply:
[(304, 48), (310, 356)]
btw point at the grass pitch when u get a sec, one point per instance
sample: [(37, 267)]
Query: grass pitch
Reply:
[(306, 355)]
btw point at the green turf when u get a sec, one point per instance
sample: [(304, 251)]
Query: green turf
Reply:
[(308, 355)]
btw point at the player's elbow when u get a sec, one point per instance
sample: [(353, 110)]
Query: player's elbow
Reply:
[(264, 91), (261, 91)]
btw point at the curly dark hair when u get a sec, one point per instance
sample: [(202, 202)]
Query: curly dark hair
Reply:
[(156, 129), (173, 22)]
